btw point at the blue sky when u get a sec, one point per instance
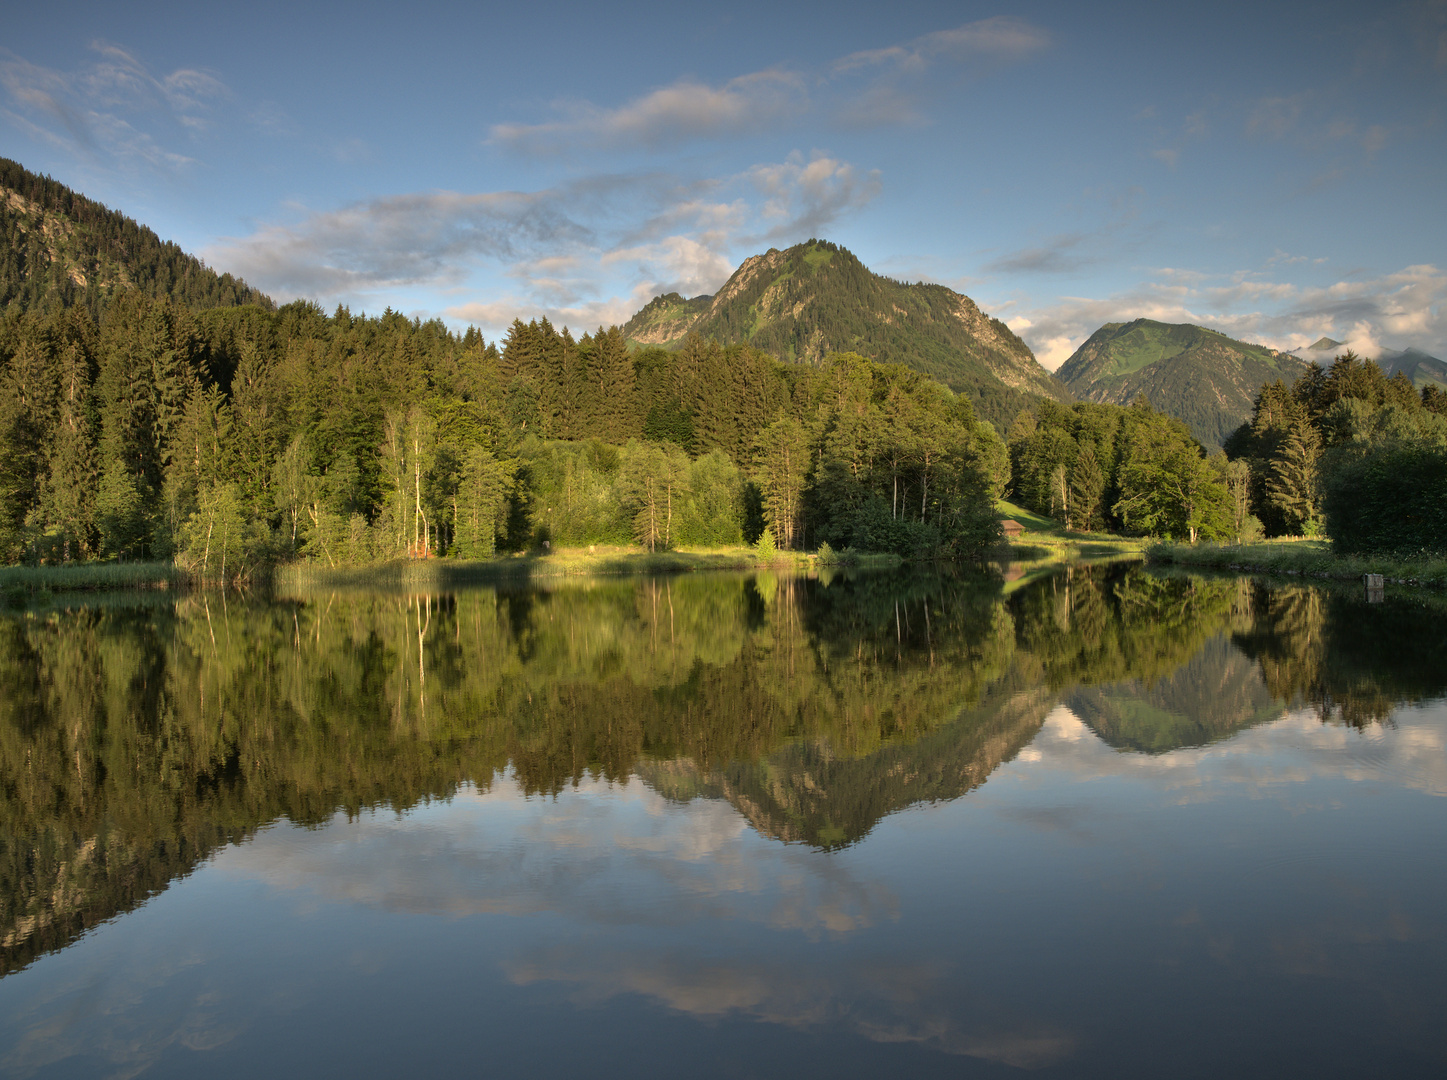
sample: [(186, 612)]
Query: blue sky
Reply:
[(1274, 171)]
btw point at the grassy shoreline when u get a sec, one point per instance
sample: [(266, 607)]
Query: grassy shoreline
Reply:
[(21, 584), (1303, 558)]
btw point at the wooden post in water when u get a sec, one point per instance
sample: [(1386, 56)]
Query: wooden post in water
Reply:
[(1376, 588)]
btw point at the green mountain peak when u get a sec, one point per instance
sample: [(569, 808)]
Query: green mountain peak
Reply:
[(814, 299), (1194, 373)]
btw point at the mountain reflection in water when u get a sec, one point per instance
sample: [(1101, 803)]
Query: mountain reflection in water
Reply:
[(137, 740)]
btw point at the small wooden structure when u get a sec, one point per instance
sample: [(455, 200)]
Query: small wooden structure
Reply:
[(1012, 528)]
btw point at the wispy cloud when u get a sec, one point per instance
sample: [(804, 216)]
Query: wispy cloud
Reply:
[(677, 113), (1057, 255), (1274, 117), (871, 87), (112, 108), (588, 252), (1370, 314), (1000, 38)]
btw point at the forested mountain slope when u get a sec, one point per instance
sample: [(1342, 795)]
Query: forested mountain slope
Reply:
[(816, 298), (59, 249), (1198, 375)]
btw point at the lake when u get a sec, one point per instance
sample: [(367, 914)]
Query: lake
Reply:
[(1098, 821)]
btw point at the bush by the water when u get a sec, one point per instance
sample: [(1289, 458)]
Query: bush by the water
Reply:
[(1389, 498)]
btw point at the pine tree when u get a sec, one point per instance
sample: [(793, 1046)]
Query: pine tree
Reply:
[(1087, 487), (1291, 484)]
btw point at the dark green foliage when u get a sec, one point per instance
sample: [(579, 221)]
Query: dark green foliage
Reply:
[(294, 435), (136, 425), (1389, 498)]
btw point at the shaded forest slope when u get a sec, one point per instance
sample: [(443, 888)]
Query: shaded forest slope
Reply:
[(59, 249)]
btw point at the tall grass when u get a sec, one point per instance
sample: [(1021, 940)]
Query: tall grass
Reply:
[(1305, 558), (136, 575)]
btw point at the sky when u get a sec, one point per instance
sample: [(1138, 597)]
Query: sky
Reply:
[(1274, 171)]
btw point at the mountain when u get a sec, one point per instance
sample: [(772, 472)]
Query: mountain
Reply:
[(1199, 375), (816, 298), (1422, 368), (1418, 366), (60, 249)]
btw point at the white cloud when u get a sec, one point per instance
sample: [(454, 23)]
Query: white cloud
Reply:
[(1274, 117), (679, 112)]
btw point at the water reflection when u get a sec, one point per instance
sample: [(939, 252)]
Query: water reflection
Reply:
[(138, 740)]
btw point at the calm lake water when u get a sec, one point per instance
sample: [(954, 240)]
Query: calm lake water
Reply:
[(1105, 822)]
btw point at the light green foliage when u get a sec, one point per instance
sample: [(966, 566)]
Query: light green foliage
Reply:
[(713, 504), (654, 482), (219, 542), (782, 454), (1168, 489), (1093, 466)]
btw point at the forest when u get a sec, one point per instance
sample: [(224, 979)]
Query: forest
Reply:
[(235, 437), (1344, 452)]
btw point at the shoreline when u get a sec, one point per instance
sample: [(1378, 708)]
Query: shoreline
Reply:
[(1303, 558)]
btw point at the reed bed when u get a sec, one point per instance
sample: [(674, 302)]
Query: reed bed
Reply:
[(20, 584)]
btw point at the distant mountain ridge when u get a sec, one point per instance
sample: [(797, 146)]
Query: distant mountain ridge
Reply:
[(61, 249), (1194, 373), (1422, 368), (816, 298)]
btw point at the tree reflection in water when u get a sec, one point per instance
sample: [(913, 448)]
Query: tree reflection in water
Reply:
[(137, 737)]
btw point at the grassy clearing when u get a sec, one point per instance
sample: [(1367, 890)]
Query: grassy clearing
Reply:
[(1045, 541), (595, 560), (1304, 558), (26, 584)]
